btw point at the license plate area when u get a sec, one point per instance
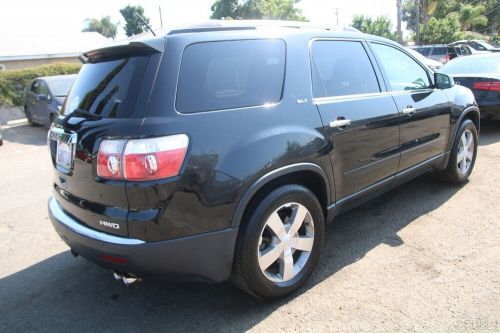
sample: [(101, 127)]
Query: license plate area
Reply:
[(64, 145), (64, 155)]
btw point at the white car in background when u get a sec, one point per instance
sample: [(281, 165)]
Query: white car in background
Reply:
[(431, 63)]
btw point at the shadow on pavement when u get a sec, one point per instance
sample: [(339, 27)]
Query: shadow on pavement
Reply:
[(25, 134), (63, 293), (490, 132)]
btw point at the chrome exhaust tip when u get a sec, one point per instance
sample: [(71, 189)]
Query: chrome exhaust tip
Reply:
[(127, 278)]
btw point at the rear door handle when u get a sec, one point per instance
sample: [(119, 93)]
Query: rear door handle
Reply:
[(339, 123), (409, 111)]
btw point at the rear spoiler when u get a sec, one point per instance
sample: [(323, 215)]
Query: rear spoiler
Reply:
[(125, 48)]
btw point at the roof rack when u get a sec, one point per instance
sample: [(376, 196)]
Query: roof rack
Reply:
[(231, 25)]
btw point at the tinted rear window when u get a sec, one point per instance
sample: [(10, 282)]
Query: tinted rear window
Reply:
[(107, 88), (230, 74)]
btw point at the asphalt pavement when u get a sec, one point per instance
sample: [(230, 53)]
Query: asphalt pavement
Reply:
[(423, 257)]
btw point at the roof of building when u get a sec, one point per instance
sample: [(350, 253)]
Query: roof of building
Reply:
[(15, 47)]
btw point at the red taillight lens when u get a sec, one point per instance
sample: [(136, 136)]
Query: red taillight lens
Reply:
[(487, 85), (141, 160), (495, 86), (109, 159), (156, 158)]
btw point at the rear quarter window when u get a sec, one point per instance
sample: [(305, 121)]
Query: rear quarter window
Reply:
[(230, 74)]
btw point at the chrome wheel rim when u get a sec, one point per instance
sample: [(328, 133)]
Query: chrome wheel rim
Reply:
[(286, 242), (465, 152)]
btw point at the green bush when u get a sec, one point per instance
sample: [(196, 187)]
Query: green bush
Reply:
[(13, 82)]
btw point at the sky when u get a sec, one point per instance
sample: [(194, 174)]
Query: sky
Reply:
[(31, 18)]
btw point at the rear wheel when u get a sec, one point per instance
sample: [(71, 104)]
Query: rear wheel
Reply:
[(280, 244), (462, 155)]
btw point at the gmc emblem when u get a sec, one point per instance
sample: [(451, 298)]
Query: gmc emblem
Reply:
[(109, 224)]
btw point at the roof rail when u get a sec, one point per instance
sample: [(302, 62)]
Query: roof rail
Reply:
[(230, 25)]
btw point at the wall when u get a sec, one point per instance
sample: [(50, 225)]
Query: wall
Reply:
[(20, 64)]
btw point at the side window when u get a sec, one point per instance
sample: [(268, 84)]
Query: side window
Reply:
[(34, 87), (341, 68), (439, 51), (402, 71), (42, 89), (230, 74)]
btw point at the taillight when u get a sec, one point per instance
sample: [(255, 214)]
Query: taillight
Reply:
[(109, 159), (487, 85), (141, 160)]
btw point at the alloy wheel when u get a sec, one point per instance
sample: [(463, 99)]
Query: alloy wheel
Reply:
[(465, 152), (286, 242)]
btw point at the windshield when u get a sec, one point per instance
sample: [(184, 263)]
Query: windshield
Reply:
[(60, 87), (472, 64), (107, 88)]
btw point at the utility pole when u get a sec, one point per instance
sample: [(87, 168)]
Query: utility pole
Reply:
[(337, 15), (398, 28), (417, 2)]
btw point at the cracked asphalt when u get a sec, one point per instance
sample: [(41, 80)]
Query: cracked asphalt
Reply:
[(424, 257)]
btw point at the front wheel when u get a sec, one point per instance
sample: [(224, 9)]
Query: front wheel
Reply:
[(462, 155), (280, 244)]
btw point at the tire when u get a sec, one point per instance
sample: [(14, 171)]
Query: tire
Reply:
[(458, 169), (256, 238)]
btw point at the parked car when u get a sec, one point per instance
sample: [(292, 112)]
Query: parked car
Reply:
[(465, 50), (1, 136), (223, 154), (44, 97), (478, 45), (442, 53), (481, 73), (431, 63)]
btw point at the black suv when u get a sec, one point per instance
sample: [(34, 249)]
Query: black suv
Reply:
[(221, 151)]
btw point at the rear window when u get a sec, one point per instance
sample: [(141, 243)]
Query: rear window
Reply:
[(107, 88), (230, 74)]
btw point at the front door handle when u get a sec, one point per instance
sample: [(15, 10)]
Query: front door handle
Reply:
[(409, 111), (340, 123)]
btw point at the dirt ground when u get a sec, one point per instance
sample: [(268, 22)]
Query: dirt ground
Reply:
[(424, 257)]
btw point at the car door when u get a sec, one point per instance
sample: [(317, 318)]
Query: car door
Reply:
[(43, 104), (424, 110), (31, 100), (359, 118)]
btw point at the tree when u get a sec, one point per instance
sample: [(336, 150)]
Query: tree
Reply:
[(381, 26), (133, 25), (104, 26), (471, 15), (441, 30), (257, 9)]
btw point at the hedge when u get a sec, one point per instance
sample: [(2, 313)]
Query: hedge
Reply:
[(13, 82)]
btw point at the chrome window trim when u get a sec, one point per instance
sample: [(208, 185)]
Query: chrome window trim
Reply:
[(333, 99)]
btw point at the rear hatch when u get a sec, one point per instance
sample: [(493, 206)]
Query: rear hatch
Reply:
[(105, 102)]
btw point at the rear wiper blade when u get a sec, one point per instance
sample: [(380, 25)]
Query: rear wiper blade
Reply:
[(81, 112)]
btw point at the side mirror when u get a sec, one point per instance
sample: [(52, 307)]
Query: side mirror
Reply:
[(443, 81), (42, 98)]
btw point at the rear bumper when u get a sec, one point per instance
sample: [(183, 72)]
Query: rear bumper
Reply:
[(205, 257)]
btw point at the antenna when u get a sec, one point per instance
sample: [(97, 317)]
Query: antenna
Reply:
[(145, 23), (161, 20)]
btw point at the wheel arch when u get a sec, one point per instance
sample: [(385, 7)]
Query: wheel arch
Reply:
[(309, 175), (472, 113)]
